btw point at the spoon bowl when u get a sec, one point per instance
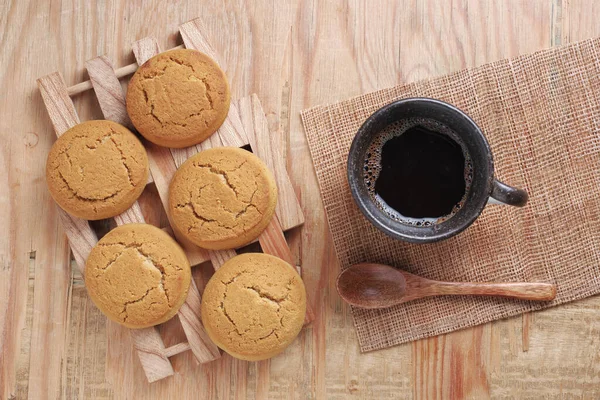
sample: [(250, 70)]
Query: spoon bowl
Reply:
[(371, 285)]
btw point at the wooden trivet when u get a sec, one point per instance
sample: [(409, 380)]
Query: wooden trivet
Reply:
[(246, 125)]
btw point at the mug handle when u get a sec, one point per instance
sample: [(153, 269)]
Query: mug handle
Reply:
[(509, 195)]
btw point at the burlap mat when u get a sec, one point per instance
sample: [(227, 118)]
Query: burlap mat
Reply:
[(541, 115)]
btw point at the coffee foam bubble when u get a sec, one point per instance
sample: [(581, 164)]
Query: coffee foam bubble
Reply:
[(372, 167)]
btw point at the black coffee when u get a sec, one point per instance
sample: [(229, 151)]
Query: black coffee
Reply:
[(417, 172)]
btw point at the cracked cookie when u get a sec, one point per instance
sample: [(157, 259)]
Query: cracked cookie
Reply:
[(222, 198), (178, 98), (253, 306), (137, 275), (96, 170)]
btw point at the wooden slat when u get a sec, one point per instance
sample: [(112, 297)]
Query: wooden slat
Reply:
[(151, 351), (147, 342), (272, 241), (133, 215), (210, 142), (181, 155), (144, 49), (220, 257), (58, 103), (82, 237), (288, 208), (189, 315), (232, 131), (191, 33), (106, 85), (108, 90), (63, 116), (162, 162), (109, 93)]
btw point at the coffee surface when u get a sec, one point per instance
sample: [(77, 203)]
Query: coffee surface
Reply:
[(417, 172)]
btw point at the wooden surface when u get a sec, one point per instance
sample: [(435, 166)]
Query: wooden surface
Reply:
[(293, 54)]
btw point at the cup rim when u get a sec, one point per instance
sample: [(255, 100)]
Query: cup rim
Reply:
[(411, 233)]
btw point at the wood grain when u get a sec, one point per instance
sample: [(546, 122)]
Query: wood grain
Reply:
[(293, 55)]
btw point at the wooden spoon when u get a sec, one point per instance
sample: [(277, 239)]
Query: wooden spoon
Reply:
[(379, 286)]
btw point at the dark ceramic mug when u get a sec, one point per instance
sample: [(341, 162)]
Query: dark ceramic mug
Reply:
[(484, 187)]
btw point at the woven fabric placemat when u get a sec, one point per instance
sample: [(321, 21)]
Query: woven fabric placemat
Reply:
[(541, 115)]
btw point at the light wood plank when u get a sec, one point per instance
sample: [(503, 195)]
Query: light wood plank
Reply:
[(63, 116), (58, 103), (220, 257), (272, 241), (189, 316), (151, 352), (193, 38), (288, 208), (133, 215), (122, 72), (104, 81), (163, 161), (231, 132), (108, 90), (144, 49)]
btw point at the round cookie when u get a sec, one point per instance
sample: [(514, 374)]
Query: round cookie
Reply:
[(96, 170), (178, 98), (222, 198), (137, 275), (253, 306)]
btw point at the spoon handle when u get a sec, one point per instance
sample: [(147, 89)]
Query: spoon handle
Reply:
[(517, 290)]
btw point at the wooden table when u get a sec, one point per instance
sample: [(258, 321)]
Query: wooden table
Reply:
[(294, 55)]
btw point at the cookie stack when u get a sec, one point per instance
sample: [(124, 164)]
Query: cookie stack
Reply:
[(223, 198)]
